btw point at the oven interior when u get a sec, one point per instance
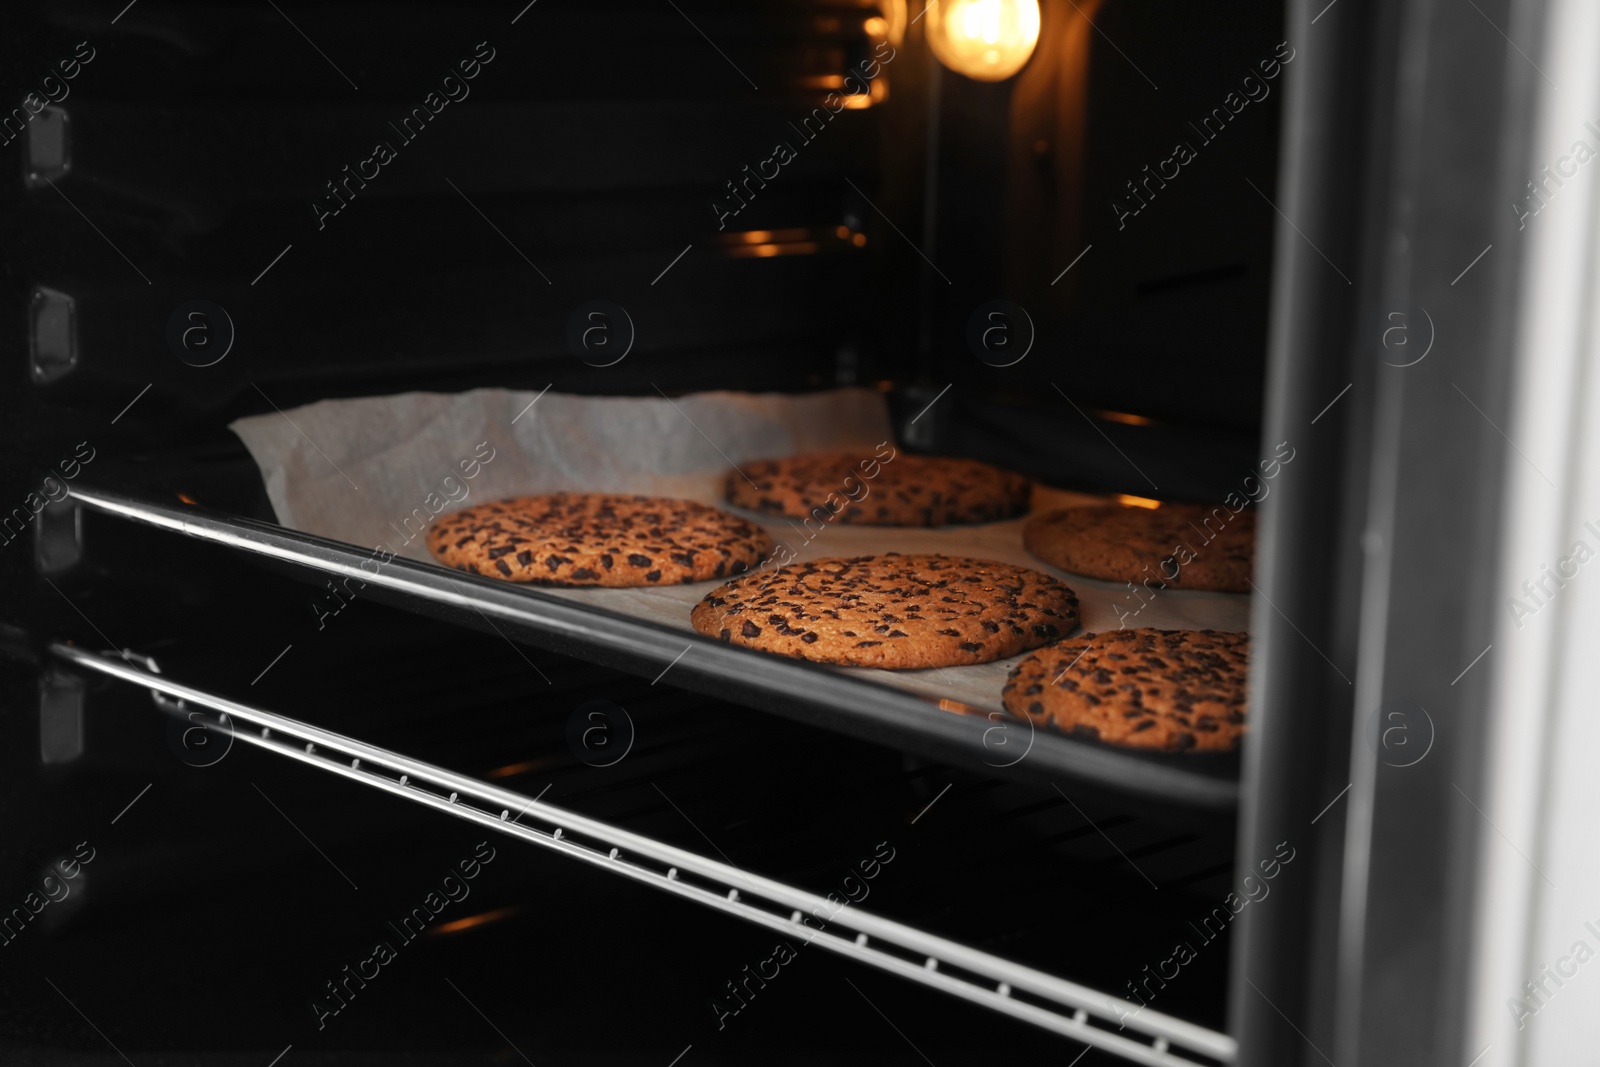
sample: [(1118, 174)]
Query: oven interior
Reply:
[(597, 144)]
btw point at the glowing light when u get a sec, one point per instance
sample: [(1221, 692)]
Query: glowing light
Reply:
[(514, 769), (987, 40), (1125, 418), (1136, 501), (877, 94), (762, 237), (893, 23), (186, 498), (763, 251), (473, 920)]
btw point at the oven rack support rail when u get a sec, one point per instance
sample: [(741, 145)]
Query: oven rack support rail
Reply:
[(1058, 1005), (804, 691)]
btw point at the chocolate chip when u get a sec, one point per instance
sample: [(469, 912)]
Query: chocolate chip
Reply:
[(637, 560), (750, 629)]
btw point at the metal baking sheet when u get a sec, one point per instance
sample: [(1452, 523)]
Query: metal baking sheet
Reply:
[(369, 472), (849, 702)]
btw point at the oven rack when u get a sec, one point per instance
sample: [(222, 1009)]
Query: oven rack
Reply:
[(808, 692), (1055, 1004)]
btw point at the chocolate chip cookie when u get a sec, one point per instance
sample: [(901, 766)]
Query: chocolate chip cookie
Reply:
[(891, 611), (1186, 546), (579, 539), (890, 489), (1173, 690)]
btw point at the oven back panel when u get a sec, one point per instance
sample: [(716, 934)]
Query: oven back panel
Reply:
[(429, 199)]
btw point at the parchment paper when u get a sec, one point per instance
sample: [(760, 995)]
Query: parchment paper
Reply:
[(354, 470)]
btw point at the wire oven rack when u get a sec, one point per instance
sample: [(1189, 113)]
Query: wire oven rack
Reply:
[(793, 688), (1063, 1007)]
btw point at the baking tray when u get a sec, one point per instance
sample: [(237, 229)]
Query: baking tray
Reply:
[(884, 707)]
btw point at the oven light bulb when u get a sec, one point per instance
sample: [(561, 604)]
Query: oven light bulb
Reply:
[(987, 40)]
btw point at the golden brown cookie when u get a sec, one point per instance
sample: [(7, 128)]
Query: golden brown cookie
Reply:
[(891, 611), (578, 539), (1186, 546), (1177, 690), (889, 489)]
